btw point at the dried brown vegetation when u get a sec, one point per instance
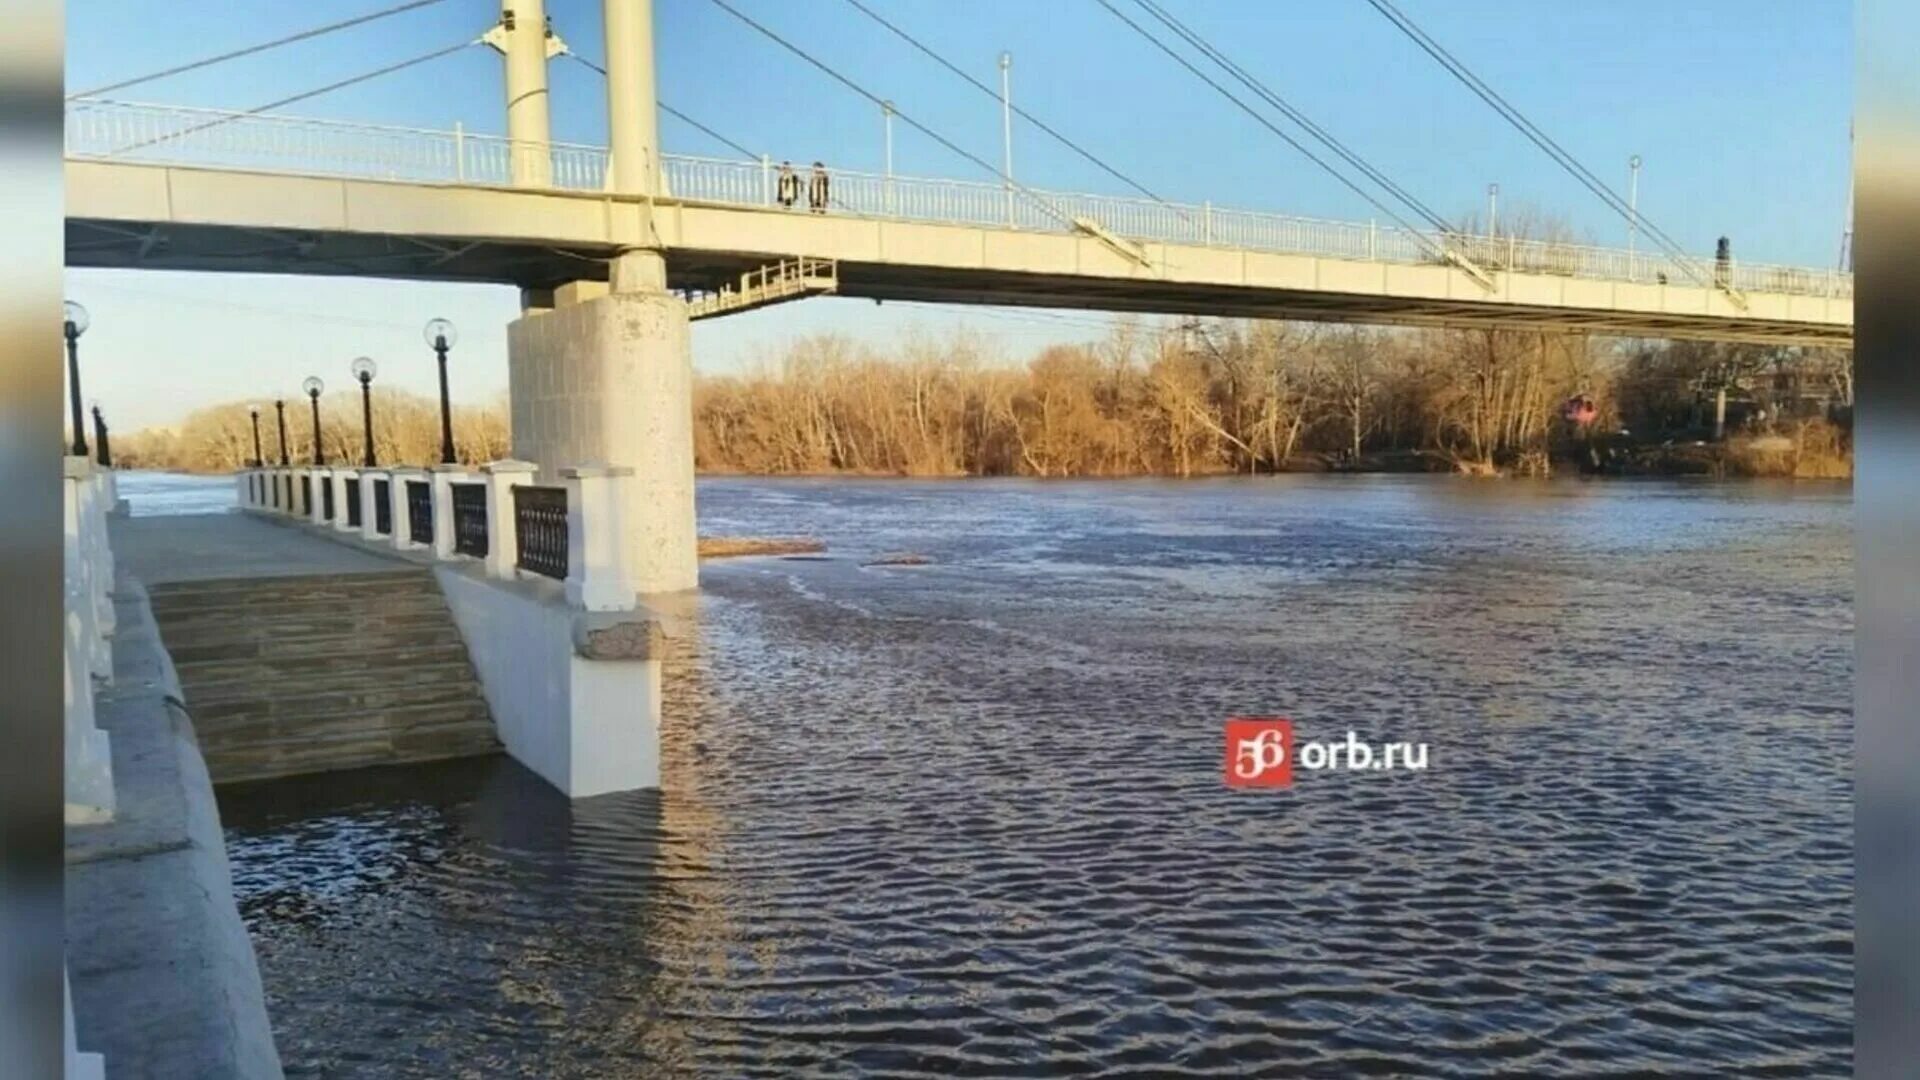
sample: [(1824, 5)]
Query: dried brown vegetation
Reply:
[(1194, 398)]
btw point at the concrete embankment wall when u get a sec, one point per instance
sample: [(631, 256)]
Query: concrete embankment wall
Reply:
[(575, 698), (164, 979)]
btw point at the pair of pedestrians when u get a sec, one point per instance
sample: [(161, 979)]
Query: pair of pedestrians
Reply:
[(788, 187)]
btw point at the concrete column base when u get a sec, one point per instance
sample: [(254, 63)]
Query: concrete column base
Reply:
[(608, 382)]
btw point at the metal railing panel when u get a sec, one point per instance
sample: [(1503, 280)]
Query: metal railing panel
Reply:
[(470, 519), (353, 502), (383, 506), (126, 131), (540, 530), (420, 511)]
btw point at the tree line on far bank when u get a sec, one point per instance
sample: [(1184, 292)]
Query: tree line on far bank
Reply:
[(1197, 397)]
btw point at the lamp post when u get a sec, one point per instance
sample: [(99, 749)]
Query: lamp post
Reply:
[(364, 369), (313, 386), (1493, 210), (886, 120), (1006, 127), (441, 335), (76, 324), (102, 453), (280, 407), (254, 411), (1633, 208)]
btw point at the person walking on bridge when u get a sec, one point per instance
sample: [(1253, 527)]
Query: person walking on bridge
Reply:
[(788, 186), (817, 189)]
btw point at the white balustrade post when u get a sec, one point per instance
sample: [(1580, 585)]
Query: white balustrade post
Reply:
[(503, 541), (1206, 210), (369, 502), (599, 572), (243, 488), (341, 498), (100, 562), (444, 477)]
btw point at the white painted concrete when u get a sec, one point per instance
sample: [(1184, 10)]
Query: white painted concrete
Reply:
[(589, 727), (503, 534), (609, 382), (444, 477), (87, 651), (339, 480), (600, 572), (369, 498)]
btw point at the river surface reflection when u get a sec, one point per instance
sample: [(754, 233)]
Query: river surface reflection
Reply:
[(968, 818)]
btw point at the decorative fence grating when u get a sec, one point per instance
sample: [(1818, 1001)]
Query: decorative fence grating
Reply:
[(540, 529), (326, 500), (383, 506), (470, 519), (353, 501), (420, 511), (306, 494)]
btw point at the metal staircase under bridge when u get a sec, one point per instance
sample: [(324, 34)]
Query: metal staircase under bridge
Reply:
[(788, 279)]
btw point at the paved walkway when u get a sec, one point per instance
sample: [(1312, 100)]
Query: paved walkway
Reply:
[(200, 547)]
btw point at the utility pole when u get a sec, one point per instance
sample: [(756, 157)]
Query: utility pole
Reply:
[(1493, 209), (1633, 211), (1006, 127)]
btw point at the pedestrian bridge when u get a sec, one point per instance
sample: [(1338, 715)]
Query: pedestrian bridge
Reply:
[(174, 188)]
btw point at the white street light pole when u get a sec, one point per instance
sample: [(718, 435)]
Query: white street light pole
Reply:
[(1006, 127), (886, 117), (1633, 209), (1493, 209)]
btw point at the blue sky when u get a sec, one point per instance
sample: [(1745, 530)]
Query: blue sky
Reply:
[(1739, 109)]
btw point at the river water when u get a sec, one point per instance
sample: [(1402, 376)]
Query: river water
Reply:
[(968, 817)]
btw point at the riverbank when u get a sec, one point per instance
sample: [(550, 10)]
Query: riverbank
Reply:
[(165, 982)]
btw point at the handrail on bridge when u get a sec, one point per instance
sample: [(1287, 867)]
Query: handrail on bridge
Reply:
[(177, 135)]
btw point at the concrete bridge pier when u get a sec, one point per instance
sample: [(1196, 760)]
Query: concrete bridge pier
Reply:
[(604, 374)]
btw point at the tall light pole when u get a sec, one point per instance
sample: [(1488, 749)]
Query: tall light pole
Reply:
[(258, 461), (1633, 209), (313, 386), (76, 324), (886, 121), (280, 408), (364, 370), (441, 335), (1006, 127), (1493, 209)]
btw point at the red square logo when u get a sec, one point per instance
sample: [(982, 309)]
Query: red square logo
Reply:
[(1259, 751)]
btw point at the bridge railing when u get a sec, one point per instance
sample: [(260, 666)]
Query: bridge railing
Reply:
[(186, 136)]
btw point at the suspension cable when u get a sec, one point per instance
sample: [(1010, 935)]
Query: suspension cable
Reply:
[(251, 49), (1017, 110), (302, 96), (1539, 138), (671, 111), (843, 80), (1412, 230), (1325, 138)]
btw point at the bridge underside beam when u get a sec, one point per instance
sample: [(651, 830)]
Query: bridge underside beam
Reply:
[(221, 248)]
